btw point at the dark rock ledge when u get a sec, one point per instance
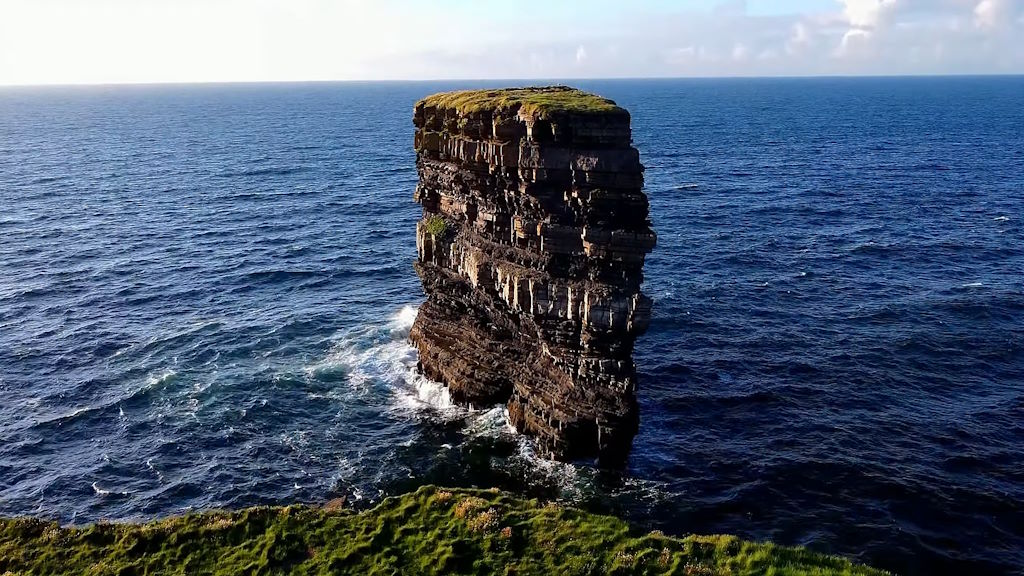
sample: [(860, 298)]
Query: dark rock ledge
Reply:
[(531, 251)]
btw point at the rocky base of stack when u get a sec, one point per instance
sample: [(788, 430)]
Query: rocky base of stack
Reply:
[(531, 253)]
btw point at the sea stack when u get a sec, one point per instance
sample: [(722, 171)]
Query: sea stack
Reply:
[(531, 251)]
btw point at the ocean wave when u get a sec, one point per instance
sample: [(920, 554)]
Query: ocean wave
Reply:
[(152, 381), (271, 171), (105, 492), (275, 276), (381, 357), (156, 380), (422, 393), (68, 416), (47, 180), (401, 323)]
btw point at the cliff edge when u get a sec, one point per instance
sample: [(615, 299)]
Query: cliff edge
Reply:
[(430, 531), (531, 251)]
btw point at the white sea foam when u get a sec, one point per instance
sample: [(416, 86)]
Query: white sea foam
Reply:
[(67, 416), (149, 464), (297, 440), (76, 412), (396, 360), (569, 478), (423, 394), (104, 492), (402, 322), (157, 379), (370, 359), (381, 359), (492, 423)]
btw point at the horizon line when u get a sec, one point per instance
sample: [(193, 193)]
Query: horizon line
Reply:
[(533, 79)]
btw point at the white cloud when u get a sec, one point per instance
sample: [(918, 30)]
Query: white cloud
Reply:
[(854, 42), (581, 54), (799, 38), (866, 13), (681, 56), (740, 52), (862, 17), (989, 14), (46, 41)]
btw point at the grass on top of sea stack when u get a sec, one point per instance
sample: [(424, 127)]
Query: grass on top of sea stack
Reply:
[(430, 531), (537, 102)]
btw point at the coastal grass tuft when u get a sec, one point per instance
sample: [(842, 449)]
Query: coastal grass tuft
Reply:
[(430, 531), (436, 226), (539, 102)]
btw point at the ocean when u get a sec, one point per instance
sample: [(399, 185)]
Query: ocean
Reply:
[(205, 295)]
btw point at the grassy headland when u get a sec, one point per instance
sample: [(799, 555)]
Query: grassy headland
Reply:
[(430, 531)]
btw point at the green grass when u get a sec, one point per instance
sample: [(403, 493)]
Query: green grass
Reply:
[(539, 102), (430, 531), (436, 225)]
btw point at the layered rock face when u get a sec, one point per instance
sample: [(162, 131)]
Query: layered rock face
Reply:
[(531, 252)]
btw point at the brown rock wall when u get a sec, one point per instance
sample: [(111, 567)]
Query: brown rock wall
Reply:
[(533, 285)]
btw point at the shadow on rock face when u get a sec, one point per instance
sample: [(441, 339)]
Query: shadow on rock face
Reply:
[(531, 251)]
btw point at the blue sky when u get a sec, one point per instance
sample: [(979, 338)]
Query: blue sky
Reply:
[(103, 41)]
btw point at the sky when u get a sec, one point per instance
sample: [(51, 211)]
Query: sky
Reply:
[(141, 41)]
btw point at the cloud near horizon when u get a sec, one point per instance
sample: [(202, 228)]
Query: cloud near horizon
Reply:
[(98, 41)]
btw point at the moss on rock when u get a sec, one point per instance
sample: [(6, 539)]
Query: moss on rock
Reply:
[(430, 531)]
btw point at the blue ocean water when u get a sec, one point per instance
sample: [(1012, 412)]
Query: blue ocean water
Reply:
[(205, 293)]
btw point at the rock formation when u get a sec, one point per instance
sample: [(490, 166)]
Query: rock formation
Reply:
[(531, 251)]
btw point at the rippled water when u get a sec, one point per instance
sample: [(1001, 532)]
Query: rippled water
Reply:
[(205, 293)]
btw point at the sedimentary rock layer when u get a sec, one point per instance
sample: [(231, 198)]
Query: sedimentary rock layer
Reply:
[(531, 251)]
